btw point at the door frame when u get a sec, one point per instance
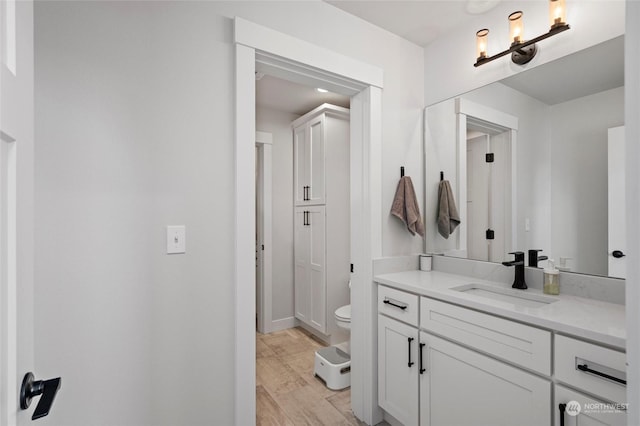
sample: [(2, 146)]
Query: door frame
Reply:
[(264, 232), (464, 109), (285, 56)]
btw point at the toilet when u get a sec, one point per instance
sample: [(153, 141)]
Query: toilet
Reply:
[(343, 317)]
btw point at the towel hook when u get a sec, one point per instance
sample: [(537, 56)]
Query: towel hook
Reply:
[(402, 171), (441, 176)]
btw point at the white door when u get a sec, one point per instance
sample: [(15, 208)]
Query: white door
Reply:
[(591, 412), (398, 370), (477, 198), (489, 196), (616, 190), (16, 209), (301, 265), (316, 225), (300, 177), (461, 387), (316, 161)]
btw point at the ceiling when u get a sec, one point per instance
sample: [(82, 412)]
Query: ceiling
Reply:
[(286, 96), (595, 69), (419, 21)]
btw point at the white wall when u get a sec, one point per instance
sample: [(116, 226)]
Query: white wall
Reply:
[(579, 176), (449, 60), (278, 123), (134, 122), (632, 151)]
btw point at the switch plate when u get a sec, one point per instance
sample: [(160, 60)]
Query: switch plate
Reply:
[(176, 239)]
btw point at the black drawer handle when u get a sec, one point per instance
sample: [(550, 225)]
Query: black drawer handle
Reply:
[(422, 369), (410, 339), (562, 408), (389, 302), (586, 369)]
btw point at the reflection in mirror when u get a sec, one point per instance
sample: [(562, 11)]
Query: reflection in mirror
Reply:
[(547, 187)]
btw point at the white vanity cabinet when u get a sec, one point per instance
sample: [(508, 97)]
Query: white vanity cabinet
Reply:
[(398, 370), (444, 364), (595, 370), (462, 387)]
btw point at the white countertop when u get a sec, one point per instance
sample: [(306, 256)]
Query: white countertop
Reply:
[(586, 318)]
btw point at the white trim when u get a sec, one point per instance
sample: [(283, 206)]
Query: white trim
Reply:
[(283, 324), (367, 201), (245, 327), (472, 109), (290, 48), (264, 222), (264, 138), (8, 281)]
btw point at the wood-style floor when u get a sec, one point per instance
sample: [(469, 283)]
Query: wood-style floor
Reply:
[(287, 393)]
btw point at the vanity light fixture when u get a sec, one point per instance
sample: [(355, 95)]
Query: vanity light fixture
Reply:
[(522, 51)]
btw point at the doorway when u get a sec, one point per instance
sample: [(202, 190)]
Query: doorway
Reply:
[(305, 62), (488, 191)]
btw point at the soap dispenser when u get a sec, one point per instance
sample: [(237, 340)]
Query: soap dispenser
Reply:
[(551, 284)]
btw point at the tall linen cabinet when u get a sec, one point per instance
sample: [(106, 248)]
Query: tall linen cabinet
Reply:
[(322, 215)]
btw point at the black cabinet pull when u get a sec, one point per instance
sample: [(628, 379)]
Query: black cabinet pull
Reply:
[(305, 193), (31, 388), (562, 408), (389, 302), (618, 254), (308, 193), (306, 218), (410, 339), (586, 369), (422, 369)]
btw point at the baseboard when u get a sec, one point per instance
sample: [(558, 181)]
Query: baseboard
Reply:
[(283, 324)]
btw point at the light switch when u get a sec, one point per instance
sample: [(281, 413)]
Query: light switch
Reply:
[(176, 239)]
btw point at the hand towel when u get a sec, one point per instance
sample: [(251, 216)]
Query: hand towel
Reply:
[(448, 217), (405, 207)]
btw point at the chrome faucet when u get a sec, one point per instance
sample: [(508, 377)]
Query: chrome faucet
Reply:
[(534, 258), (518, 262)]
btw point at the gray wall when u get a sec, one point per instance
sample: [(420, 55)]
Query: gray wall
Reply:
[(279, 124), (134, 131)]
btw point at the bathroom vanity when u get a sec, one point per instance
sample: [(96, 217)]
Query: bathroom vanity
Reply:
[(456, 350)]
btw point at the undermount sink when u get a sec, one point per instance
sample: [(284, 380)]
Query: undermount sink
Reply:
[(516, 297)]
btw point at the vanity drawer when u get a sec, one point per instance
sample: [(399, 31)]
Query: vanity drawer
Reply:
[(398, 304), (582, 364), (517, 343)]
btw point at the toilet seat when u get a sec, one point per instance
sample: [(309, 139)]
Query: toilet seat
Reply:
[(343, 313)]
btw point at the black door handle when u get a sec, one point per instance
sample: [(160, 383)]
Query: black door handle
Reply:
[(410, 339), (422, 369), (618, 254), (562, 408), (30, 388)]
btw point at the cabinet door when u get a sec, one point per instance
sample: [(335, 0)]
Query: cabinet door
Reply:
[(301, 253), (316, 161), (592, 411), (462, 387), (300, 167), (398, 370), (317, 267)]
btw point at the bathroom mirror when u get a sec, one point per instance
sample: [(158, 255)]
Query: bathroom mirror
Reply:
[(552, 179)]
